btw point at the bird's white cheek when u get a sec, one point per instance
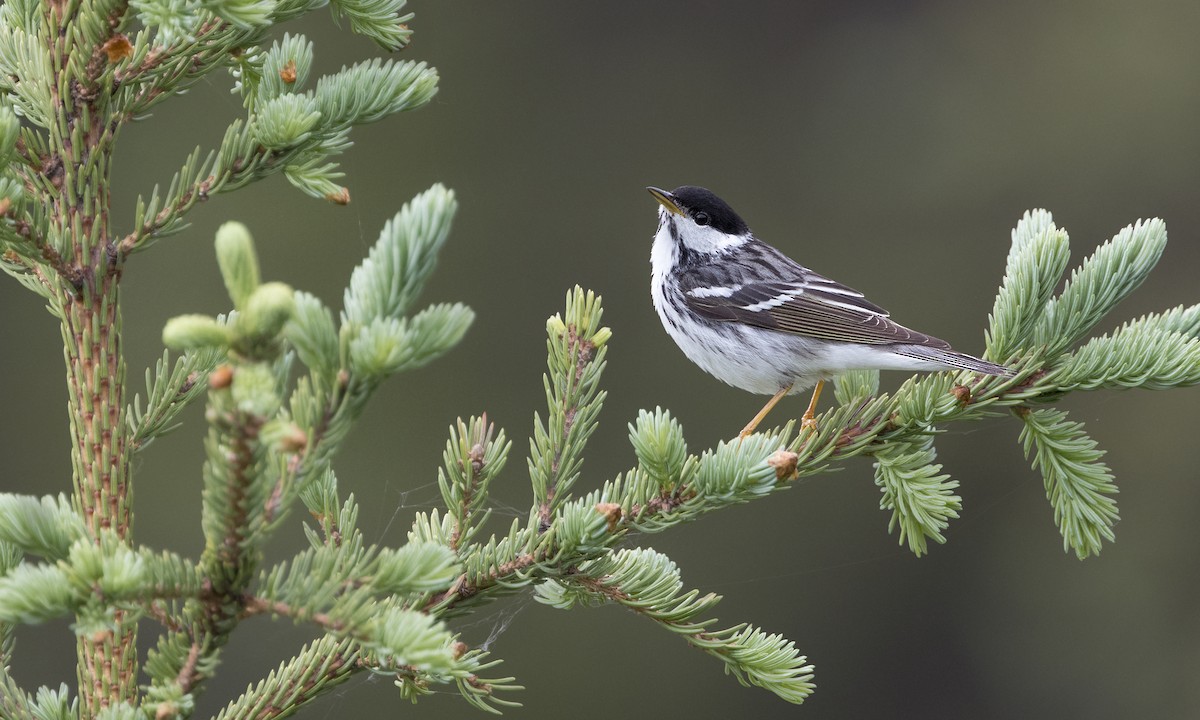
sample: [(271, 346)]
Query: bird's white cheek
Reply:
[(704, 239)]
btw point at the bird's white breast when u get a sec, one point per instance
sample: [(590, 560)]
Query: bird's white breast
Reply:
[(756, 361)]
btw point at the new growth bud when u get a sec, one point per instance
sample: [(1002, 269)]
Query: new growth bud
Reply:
[(602, 335), (190, 332), (267, 310), (238, 262)]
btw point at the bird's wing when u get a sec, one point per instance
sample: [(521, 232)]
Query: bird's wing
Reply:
[(794, 300)]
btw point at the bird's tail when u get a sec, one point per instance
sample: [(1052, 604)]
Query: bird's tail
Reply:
[(953, 359)]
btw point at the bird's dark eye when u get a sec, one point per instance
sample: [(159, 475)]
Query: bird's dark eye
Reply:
[(701, 218)]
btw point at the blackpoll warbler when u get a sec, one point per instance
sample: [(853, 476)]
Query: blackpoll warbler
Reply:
[(754, 318)]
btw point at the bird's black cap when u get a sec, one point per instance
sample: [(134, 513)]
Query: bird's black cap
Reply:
[(693, 199)]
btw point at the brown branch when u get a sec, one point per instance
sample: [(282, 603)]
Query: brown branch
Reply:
[(187, 674), (464, 588), (156, 610), (254, 605)]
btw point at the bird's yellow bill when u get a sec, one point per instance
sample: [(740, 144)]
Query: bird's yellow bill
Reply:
[(665, 199)]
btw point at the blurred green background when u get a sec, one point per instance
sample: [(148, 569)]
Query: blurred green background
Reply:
[(891, 145)]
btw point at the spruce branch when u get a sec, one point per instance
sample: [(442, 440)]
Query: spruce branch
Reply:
[(576, 361), (14, 703), (93, 581), (10, 558), (921, 500), (46, 527), (50, 704), (249, 486), (169, 389), (416, 567), (1078, 485), (394, 611), (253, 605), (649, 583), (321, 665), (284, 68), (291, 132), (855, 386), (74, 76), (657, 439), (474, 454), (379, 20), (1156, 352), (1116, 269), (396, 269), (1037, 259)]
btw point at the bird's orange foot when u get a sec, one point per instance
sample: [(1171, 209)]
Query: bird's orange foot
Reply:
[(808, 422)]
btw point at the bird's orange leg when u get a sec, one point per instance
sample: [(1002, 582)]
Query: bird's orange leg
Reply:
[(766, 409), (808, 420)]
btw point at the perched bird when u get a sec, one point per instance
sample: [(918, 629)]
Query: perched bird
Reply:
[(754, 318)]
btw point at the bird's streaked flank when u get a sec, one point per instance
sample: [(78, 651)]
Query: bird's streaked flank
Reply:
[(756, 319)]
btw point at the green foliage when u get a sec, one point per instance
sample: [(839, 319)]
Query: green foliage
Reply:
[(195, 332), (737, 471), (287, 129), (285, 67), (169, 389), (573, 396), (379, 20), (855, 385), (475, 453), (10, 130), (416, 567), (649, 583), (921, 500), (369, 91), (286, 121), (46, 527), (389, 609), (318, 667), (1116, 269), (26, 76), (243, 14), (401, 261), (120, 711), (10, 558), (388, 345), (54, 704), (662, 453), (267, 310), (1156, 352), (313, 335), (1037, 260), (400, 638), (34, 594), (238, 262), (1078, 485)]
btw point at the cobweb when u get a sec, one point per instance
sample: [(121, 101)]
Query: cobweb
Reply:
[(429, 497)]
